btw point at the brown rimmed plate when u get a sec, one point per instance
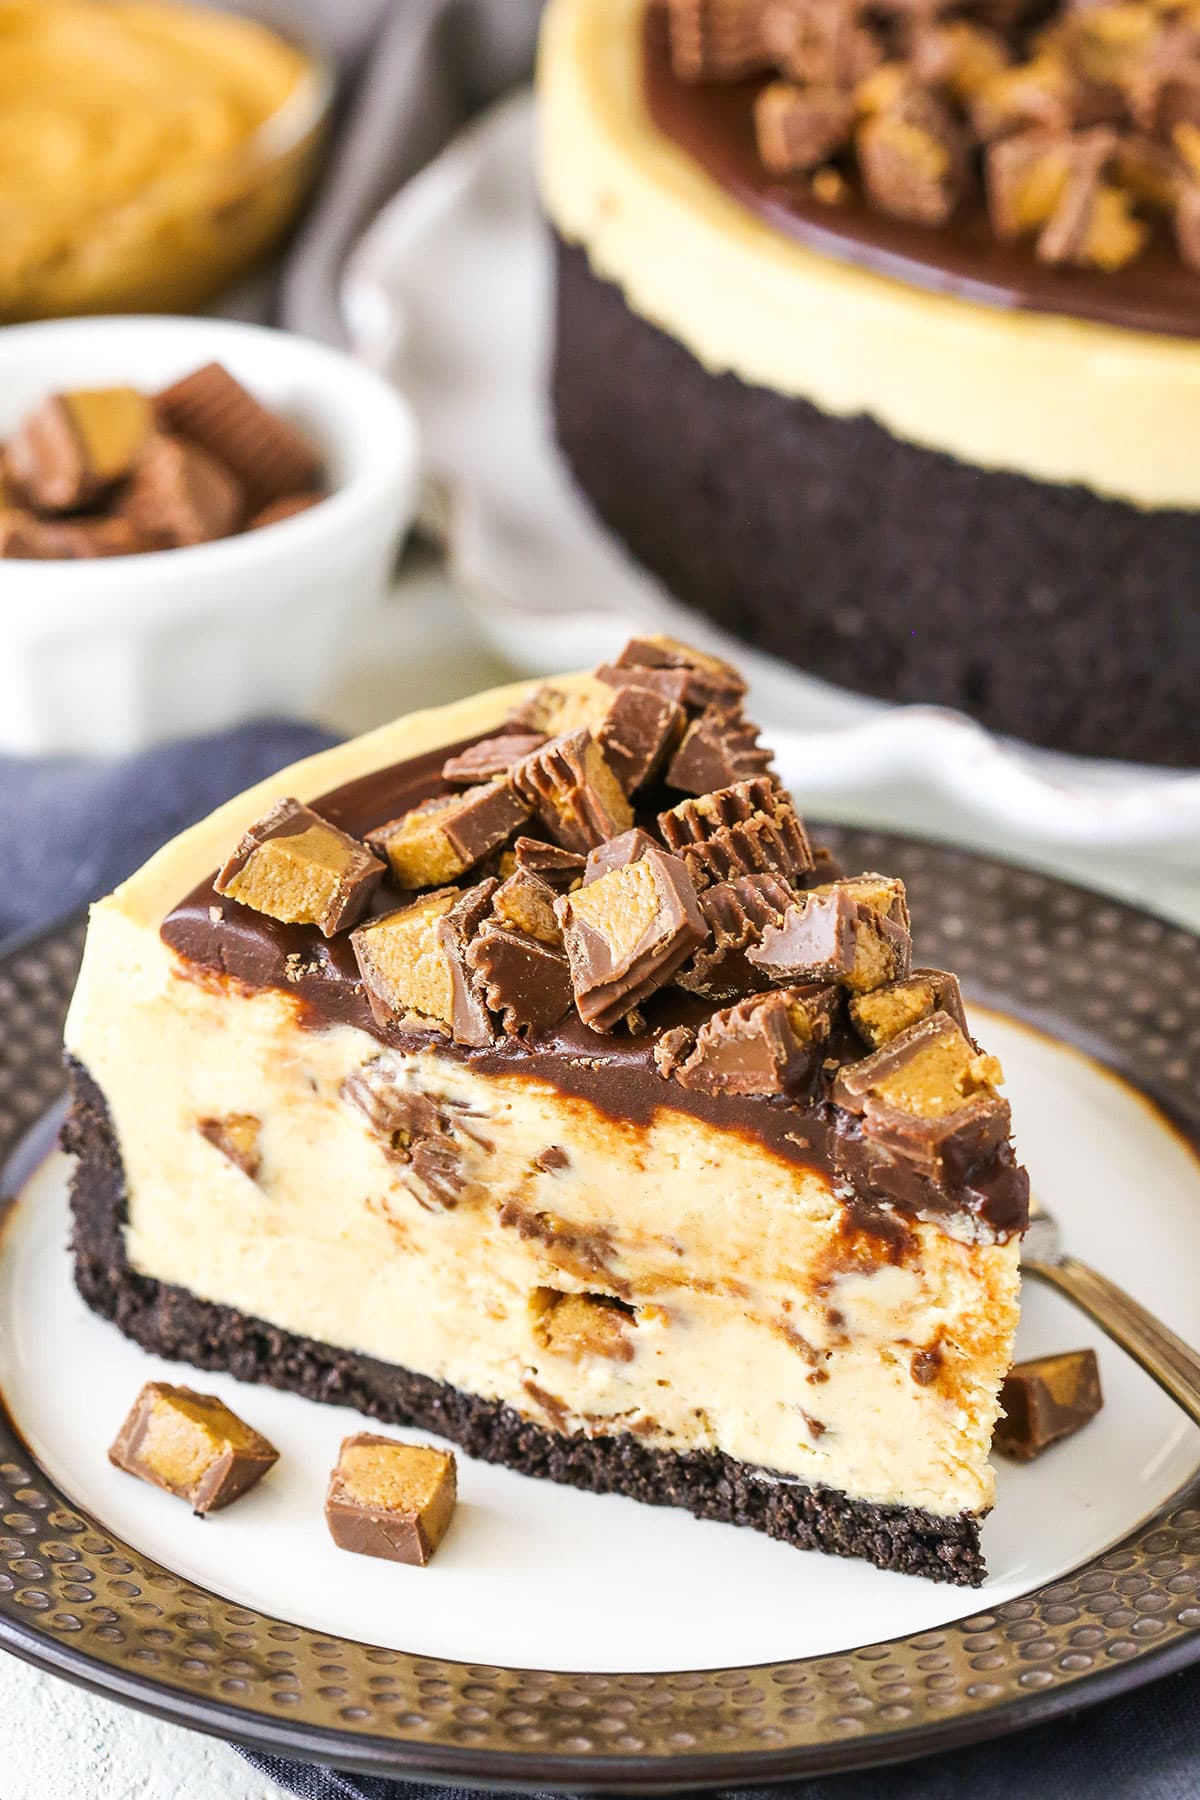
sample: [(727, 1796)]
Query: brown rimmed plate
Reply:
[(1117, 984)]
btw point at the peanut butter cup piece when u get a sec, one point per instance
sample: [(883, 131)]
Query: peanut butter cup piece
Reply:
[(523, 979), (192, 1446), (831, 937), (298, 868), (737, 913), (616, 853), (1047, 1399), (26, 536), (456, 931), (178, 495), (390, 1499), (637, 733), (408, 965), (719, 749), (236, 1136), (572, 788), (913, 159), (578, 1327), (524, 902), (75, 447), (552, 711), (441, 839), (492, 758), (707, 680), (1093, 225), (884, 1013), (746, 829), (799, 128), (929, 1070), (817, 44), (558, 868), (627, 933), (269, 457), (717, 40), (768, 1044)]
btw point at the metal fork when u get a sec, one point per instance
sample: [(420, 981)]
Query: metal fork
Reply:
[(1172, 1363)]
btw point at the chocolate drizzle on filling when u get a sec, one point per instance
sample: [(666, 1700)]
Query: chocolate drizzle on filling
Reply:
[(713, 122), (881, 1161)]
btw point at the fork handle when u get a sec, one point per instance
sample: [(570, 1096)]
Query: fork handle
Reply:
[(1172, 1363)]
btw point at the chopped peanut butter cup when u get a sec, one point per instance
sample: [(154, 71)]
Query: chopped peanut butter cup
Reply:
[(1045, 1400), (191, 1445), (389, 1499), (832, 937), (768, 1044), (627, 933), (413, 964), (491, 758), (442, 839), (75, 447), (637, 733), (522, 978), (719, 749), (267, 454), (572, 788), (748, 828), (298, 868)]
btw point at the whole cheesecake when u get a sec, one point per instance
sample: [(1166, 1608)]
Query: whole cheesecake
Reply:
[(522, 1071), (876, 339)]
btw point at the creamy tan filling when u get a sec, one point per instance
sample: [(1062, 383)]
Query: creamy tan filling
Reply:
[(1060, 399), (735, 1311)]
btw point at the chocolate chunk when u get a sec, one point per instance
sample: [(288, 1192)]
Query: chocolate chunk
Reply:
[(456, 929), (298, 868), (737, 913), (616, 853), (719, 749), (717, 40), (285, 508), (580, 1326), (558, 868), (768, 1044), (746, 829), (526, 981), (269, 457), (407, 971), (191, 1445), (390, 1499), (491, 758), (799, 128), (913, 158), (636, 734), (24, 535), (442, 839), (574, 791), (1045, 1400), (524, 902), (236, 1136), (831, 937), (627, 933), (178, 495), (77, 446), (881, 1015)]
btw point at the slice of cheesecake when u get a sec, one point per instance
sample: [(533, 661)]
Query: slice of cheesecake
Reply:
[(521, 1071)]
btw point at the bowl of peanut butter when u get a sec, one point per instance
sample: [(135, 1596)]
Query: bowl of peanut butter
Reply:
[(150, 152)]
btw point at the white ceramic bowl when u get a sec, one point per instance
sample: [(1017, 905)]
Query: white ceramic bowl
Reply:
[(112, 654)]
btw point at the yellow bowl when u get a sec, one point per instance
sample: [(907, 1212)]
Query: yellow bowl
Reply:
[(149, 152)]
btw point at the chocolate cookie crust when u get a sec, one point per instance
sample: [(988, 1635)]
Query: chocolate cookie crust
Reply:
[(171, 1322), (1044, 611)]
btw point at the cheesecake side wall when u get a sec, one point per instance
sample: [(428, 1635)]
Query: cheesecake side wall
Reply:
[(169, 1321), (1043, 610)]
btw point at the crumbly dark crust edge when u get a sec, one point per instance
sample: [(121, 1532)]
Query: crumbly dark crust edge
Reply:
[(171, 1322), (1045, 611)]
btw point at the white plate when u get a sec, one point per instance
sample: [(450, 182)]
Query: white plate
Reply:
[(512, 1583), (450, 292)]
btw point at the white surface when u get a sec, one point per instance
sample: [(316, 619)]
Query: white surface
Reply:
[(113, 653), (517, 1545), (450, 291)]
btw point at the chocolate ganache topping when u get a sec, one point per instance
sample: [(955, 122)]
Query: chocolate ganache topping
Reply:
[(1086, 203), (643, 944)]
